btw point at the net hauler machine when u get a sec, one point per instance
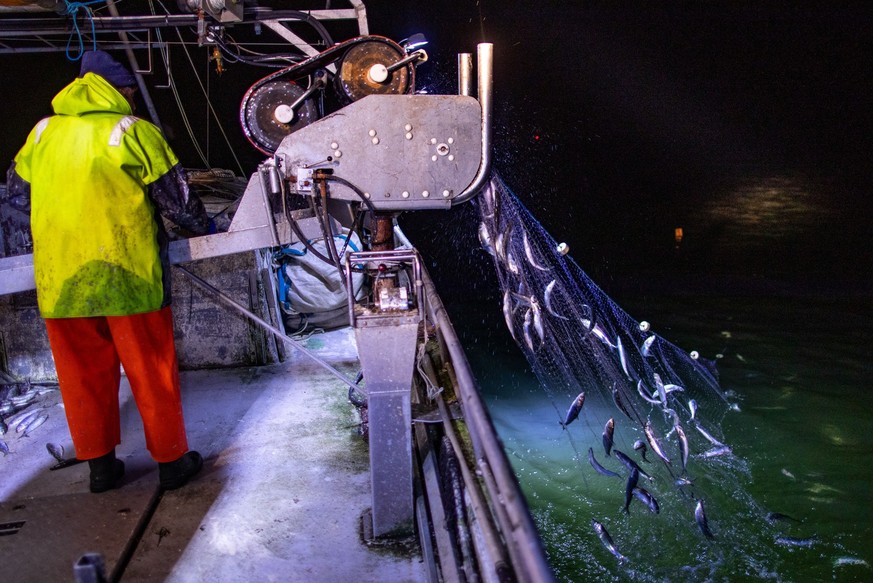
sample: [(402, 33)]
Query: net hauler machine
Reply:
[(349, 144)]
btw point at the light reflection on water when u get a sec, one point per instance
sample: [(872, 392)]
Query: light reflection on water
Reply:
[(772, 207), (780, 224)]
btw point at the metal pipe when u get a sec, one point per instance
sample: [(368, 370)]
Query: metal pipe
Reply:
[(465, 74), (203, 284), (134, 65), (480, 506), (486, 85), (266, 167), (526, 550)]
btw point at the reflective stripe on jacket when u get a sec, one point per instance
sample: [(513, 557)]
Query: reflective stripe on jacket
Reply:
[(95, 247)]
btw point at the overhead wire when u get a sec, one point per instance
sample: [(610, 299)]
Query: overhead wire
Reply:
[(175, 90)]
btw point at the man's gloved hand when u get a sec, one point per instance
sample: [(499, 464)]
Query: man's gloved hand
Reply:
[(211, 229)]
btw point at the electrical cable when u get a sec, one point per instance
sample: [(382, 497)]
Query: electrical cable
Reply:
[(355, 189)]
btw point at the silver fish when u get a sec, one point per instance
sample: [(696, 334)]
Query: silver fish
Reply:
[(547, 299), (4, 449), (527, 336), (654, 443), (500, 244), (597, 331), (676, 420), (632, 480), (57, 451), (716, 451), (642, 391), (15, 420), (640, 446), (616, 398), (507, 312), (511, 264), (25, 399), (597, 467), (32, 425), (659, 385), (683, 445), (630, 464), (692, 406), (647, 345), (538, 319), (646, 498), (708, 436), (528, 254), (608, 431), (622, 357), (607, 540), (490, 200), (21, 422), (575, 408), (669, 388), (485, 239), (702, 522)]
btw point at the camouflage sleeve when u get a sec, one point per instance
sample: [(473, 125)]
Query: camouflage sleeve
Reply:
[(175, 201), (15, 215)]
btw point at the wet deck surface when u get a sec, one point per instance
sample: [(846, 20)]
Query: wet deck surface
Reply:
[(280, 498)]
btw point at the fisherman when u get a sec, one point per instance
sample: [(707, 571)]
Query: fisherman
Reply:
[(93, 180)]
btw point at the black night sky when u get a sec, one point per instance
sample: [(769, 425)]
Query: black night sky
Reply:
[(618, 121)]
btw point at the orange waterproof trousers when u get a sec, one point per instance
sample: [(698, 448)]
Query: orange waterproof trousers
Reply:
[(87, 353)]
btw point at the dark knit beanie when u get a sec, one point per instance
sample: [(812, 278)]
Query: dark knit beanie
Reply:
[(101, 63)]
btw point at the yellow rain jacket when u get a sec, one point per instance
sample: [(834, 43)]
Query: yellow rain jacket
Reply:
[(95, 237)]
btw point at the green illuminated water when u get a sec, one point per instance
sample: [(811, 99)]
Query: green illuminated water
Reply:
[(802, 444)]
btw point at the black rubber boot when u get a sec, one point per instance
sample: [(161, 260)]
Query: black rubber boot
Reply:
[(176, 474), (106, 472)]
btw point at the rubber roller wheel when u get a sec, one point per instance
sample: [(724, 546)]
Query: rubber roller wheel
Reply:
[(359, 72), (267, 116)]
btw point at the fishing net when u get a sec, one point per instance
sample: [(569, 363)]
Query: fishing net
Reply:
[(661, 404)]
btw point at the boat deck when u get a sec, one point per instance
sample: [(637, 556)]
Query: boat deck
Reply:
[(281, 496)]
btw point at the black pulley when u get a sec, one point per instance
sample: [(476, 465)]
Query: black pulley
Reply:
[(364, 71), (269, 113)]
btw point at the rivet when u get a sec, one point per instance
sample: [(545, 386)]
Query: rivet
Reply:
[(424, 194), (372, 133), (334, 145), (405, 194), (375, 141)]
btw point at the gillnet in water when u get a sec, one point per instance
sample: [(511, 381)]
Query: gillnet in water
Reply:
[(662, 491)]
